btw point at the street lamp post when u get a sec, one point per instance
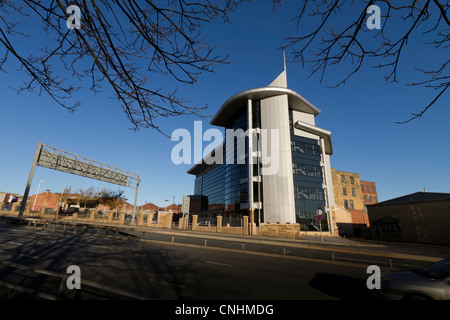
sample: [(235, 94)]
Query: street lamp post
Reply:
[(37, 192)]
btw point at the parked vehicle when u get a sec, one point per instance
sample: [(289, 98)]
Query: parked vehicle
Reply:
[(72, 209), (429, 283), (7, 207)]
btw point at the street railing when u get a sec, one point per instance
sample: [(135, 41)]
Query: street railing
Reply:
[(241, 244)]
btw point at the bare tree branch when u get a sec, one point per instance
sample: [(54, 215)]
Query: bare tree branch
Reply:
[(126, 43), (326, 46)]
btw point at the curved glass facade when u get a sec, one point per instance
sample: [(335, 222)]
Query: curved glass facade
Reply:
[(226, 185), (236, 175)]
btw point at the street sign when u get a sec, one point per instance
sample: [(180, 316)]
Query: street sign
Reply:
[(319, 218)]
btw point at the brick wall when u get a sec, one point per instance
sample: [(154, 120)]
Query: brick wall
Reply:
[(370, 189), (347, 187), (47, 199)]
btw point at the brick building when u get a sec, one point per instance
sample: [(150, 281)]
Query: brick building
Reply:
[(421, 217), (150, 207), (369, 192), (351, 195), (45, 199)]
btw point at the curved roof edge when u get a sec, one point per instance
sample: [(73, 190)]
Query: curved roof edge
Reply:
[(322, 133), (296, 102)]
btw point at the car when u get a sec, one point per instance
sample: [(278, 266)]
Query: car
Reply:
[(7, 207), (72, 209), (429, 283), (204, 224)]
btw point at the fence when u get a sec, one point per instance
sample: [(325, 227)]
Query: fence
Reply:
[(221, 224), (160, 219)]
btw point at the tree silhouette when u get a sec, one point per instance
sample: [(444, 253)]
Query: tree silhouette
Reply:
[(128, 44), (121, 44), (324, 42)]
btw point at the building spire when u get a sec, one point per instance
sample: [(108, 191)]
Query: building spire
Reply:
[(281, 80)]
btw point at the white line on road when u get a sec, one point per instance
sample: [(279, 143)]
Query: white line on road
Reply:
[(103, 247), (219, 264), (12, 242), (20, 254)]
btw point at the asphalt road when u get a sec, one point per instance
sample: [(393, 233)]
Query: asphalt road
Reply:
[(164, 271)]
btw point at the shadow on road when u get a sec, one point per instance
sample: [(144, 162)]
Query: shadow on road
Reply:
[(342, 287), (128, 265)]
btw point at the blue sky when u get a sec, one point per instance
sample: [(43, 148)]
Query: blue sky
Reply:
[(361, 115)]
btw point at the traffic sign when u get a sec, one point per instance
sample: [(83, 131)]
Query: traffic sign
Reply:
[(319, 217)]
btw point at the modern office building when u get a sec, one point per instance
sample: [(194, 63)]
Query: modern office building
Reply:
[(286, 175)]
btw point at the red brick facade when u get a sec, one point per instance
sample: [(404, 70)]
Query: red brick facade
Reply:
[(369, 193), (47, 199)]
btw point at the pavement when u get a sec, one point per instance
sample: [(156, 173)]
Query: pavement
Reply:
[(430, 250)]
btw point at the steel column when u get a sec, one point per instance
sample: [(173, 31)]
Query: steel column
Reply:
[(23, 205)]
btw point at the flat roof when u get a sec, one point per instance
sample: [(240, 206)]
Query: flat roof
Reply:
[(416, 197)]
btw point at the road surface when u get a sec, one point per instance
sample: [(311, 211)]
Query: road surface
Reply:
[(164, 271)]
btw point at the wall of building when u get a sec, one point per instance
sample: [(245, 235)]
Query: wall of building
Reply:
[(46, 199), (369, 192), (278, 191), (352, 186), (421, 222), (343, 199)]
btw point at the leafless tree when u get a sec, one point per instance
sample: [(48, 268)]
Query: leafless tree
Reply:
[(86, 196), (121, 43), (65, 196), (128, 44), (335, 32), (112, 199)]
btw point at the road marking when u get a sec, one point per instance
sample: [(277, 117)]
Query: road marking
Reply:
[(20, 254), (103, 247), (15, 243), (219, 264)]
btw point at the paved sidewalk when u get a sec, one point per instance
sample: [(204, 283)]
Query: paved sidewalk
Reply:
[(383, 246)]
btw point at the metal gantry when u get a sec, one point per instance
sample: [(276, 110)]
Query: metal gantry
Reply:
[(57, 159)]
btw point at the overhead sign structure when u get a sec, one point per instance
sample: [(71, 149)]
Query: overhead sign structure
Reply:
[(57, 159)]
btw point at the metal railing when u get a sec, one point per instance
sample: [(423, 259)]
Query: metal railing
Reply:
[(230, 242)]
